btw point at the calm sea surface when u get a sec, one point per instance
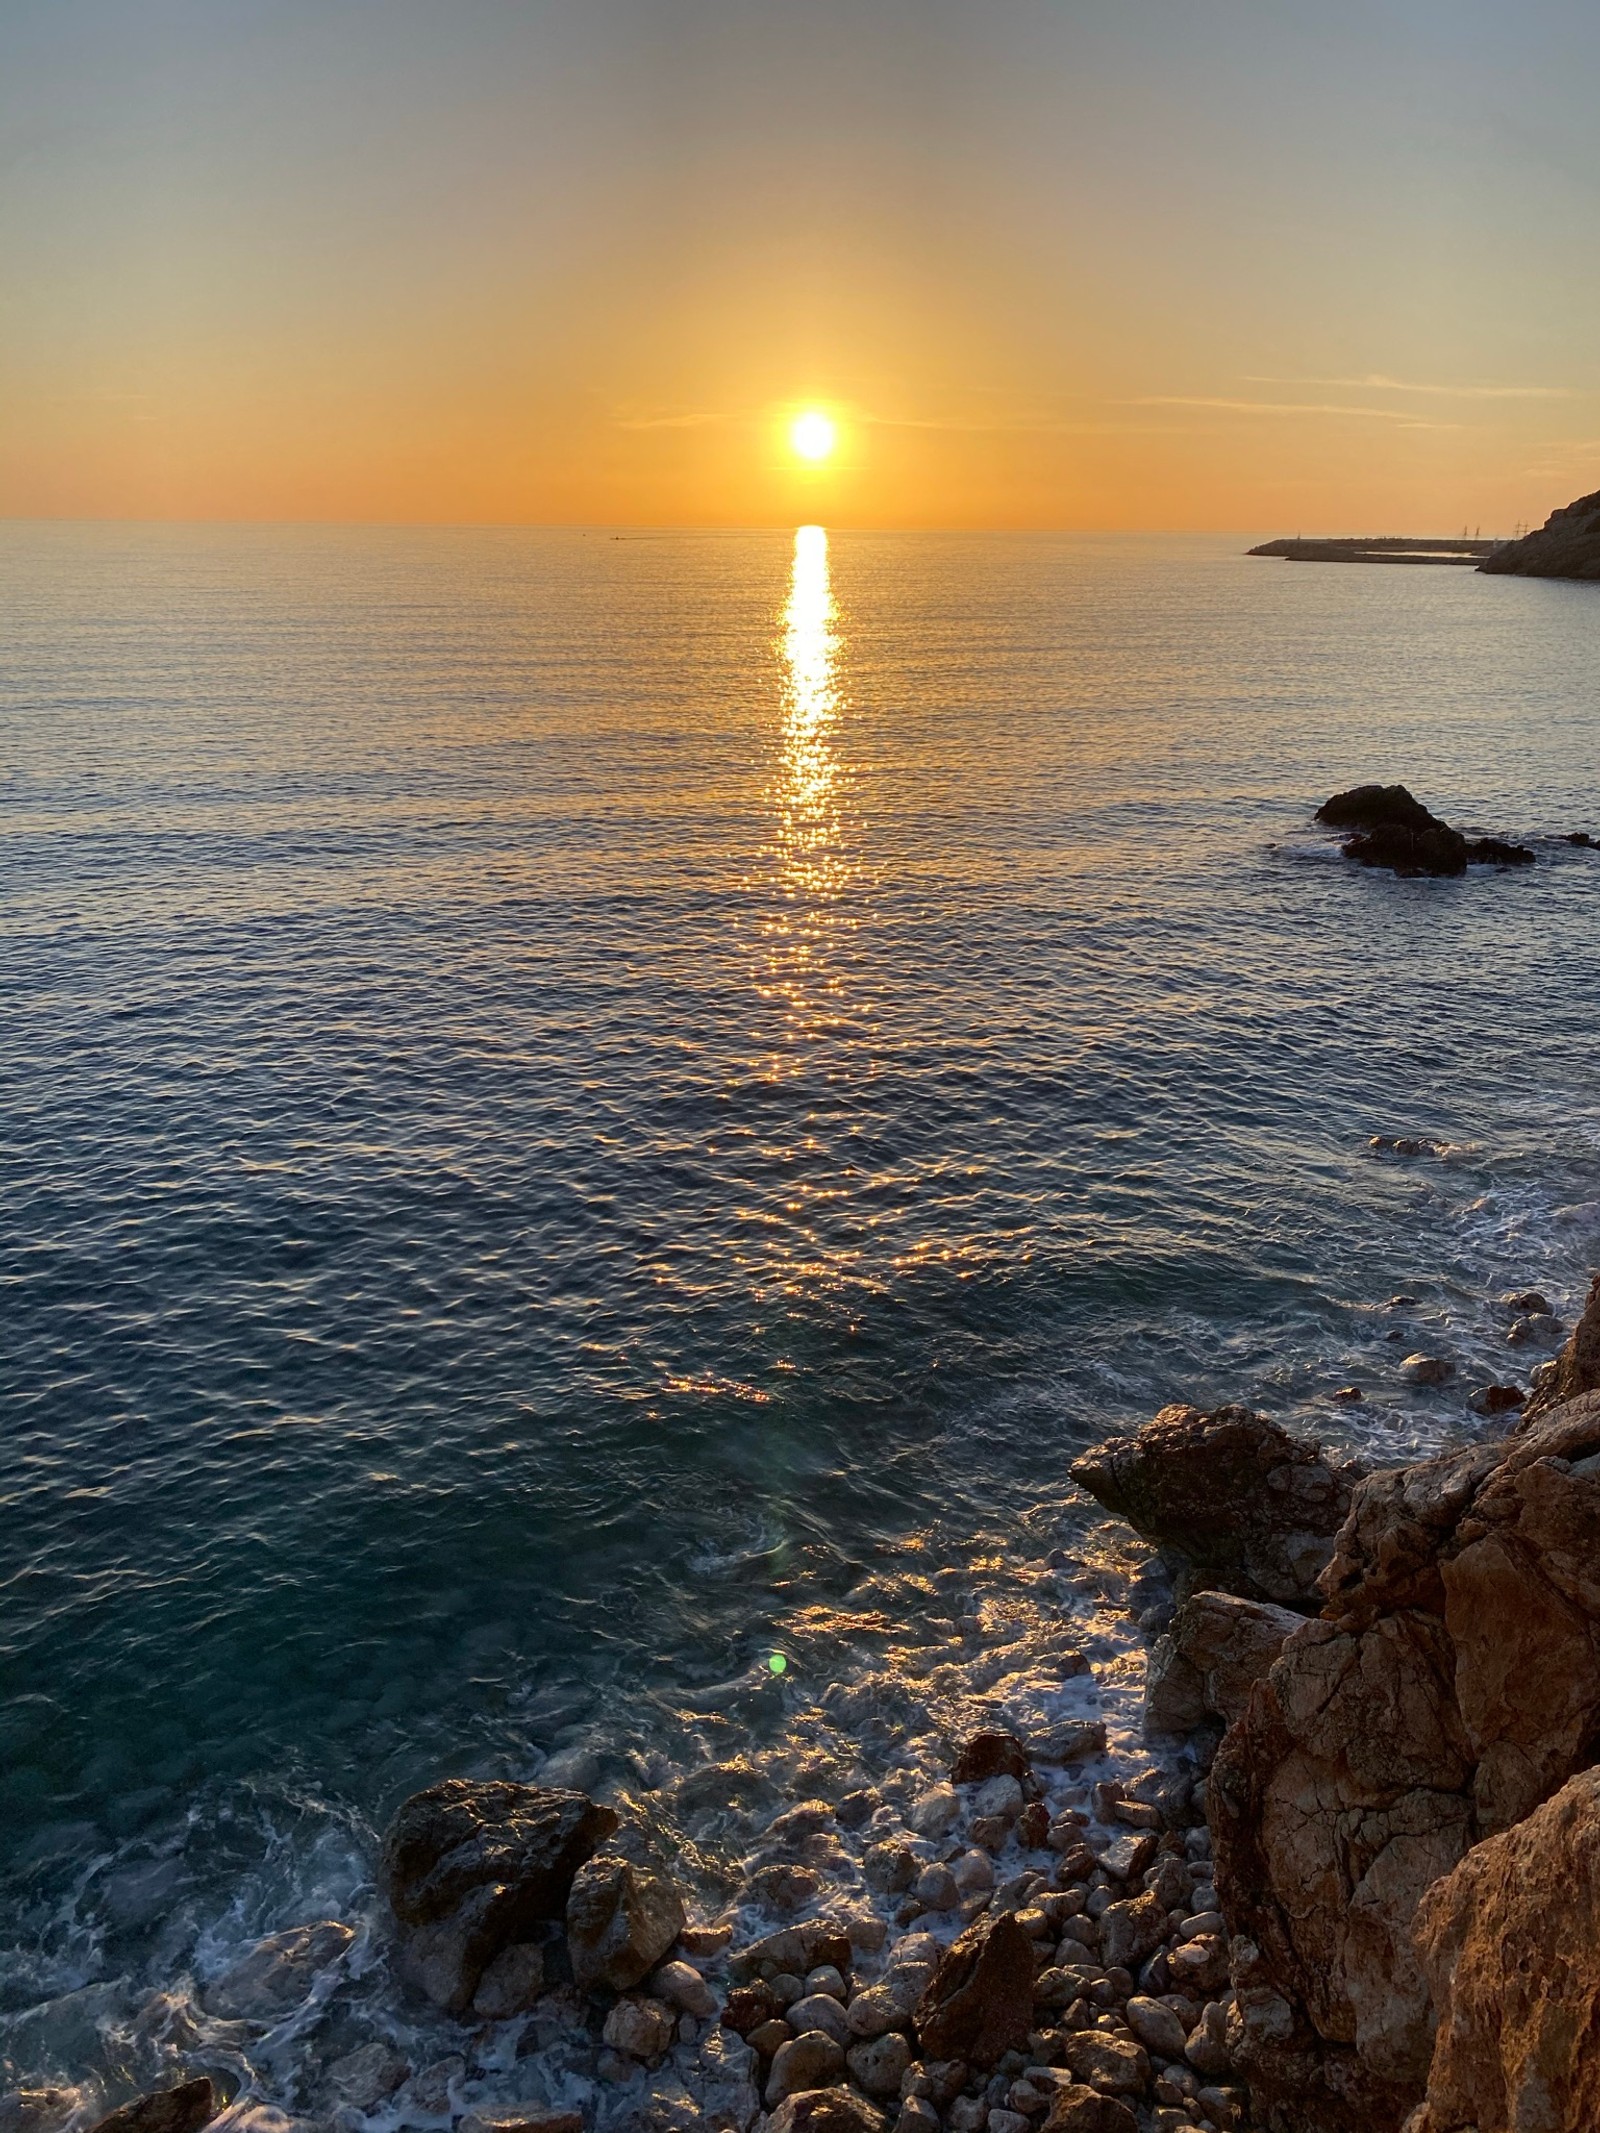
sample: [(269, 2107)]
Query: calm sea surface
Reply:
[(579, 1112)]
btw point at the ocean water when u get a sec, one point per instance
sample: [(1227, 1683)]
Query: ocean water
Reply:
[(580, 1113)]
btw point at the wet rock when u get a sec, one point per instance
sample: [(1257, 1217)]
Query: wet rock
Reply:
[(990, 1755), (42, 2110), (427, 2093), (511, 1983), (469, 1868), (362, 2078), (1509, 1948), (642, 2028), (1538, 1330), (1393, 829), (1427, 1370), (1251, 1508), (277, 1974), (812, 2060), (890, 1868), (796, 1950), (748, 2006), (936, 1813), (979, 2002), (782, 1887), (935, 1888), (704, 1940), (1496, 1399), (183, 2109), (1072, 1743), (1219, 1646), (999, 1796), (622, 1917), (1577, 1367), (879, 2065), (832, 2110)]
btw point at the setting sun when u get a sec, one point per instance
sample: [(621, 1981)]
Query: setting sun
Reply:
[(813, 436)]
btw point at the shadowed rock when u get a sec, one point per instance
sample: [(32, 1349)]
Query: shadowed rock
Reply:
[(1393, 829), (1576, 1369), (1218, 1647), (469, 1869), (1251, 1509), (184, 2109), (978, 2004), (1567, 545)]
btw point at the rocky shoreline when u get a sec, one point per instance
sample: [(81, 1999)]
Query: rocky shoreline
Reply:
[(1366, 1835)]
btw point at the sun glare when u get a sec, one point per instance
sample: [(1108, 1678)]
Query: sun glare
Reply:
[(813, 435)]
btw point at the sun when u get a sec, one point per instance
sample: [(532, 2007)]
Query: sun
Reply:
[(813, 435)]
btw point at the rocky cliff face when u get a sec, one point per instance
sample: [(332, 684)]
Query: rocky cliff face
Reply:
[(1567, 545)]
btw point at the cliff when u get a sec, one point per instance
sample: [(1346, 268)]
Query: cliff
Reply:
[(1567, 545)]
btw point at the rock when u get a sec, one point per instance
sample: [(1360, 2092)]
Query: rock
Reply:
[(935, 1888), (879, 2064), (1427, 1370), (825, 1978), (1085, 2110), (1394, 829), (834, 2110), (748, 2006), (1577, 1367), (1001, 1796), (704, 1940), (782, 1887), (622, 1917), (936, 1813), (277, 1974), (1453, 1686), (1132, 1930), (183, 2109), (469, 1868), (1108, 2064), (511, 1983), (979, 2002), (891, 2003), (1127, 1857), (640, 2027), (1509, 1948), (42, 2110), (890, 1868), (681, 1985), (1003, 2121), (523, 2122), (1538, 1330), (1073, 1743), (1199, 1966), (1567, 545), (1348, 1393), (818, 2011), (769, 2037), (1496, 1399), (1251, 1508), (812, 2060), (1217, 1648), (989, 1755), (1156, 2027), (362, 2078)]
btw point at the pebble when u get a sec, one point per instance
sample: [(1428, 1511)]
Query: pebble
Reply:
[(683, 1986), (880, 2064), (642, 2028), (826, 1979), (1156, 2027), (819, 2011), (811, 2061), (936, 1813)]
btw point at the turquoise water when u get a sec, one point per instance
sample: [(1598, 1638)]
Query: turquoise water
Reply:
[(576, 1110)]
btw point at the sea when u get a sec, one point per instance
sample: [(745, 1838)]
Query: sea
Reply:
[(589, 1122)]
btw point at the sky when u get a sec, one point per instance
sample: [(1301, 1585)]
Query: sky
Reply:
[(1266, 265)]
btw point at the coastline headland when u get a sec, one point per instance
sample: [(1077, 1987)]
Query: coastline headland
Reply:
[(1384, 548)]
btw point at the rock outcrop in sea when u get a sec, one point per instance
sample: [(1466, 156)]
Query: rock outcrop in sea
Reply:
[(1567, 545), (1393, 829)]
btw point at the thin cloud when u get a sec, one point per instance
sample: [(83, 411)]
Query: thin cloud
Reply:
[(1293, 407), (1376, 382)]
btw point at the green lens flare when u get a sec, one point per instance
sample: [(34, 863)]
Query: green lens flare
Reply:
[(778, 1664)]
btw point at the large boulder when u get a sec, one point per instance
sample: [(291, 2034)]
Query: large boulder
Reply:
[(978, 2004), (622, 1917), (1393, 829), (1205, 1666), (469, 1869), (1249, 1508), (1453, 1685), (1509, 1946), (1567, 545)]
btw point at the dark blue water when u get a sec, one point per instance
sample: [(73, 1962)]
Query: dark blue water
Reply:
[(575, 1111)]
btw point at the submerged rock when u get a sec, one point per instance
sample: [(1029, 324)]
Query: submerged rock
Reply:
[(277, 1974), (184, 2109), (1393, 829), (469, 1868), (1508, 1944), (1253, 1509)]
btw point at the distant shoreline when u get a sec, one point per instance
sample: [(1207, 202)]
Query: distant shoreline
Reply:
[(1385, 548)]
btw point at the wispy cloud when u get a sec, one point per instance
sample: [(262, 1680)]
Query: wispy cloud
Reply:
[(1292, 407), (1376, 382)]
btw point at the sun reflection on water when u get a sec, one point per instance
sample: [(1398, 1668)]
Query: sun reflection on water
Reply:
[(810, 769)]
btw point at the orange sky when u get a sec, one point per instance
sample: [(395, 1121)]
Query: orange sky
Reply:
[(1136, 263)]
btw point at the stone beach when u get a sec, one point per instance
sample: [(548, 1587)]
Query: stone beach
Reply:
[(1364, 1811)]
